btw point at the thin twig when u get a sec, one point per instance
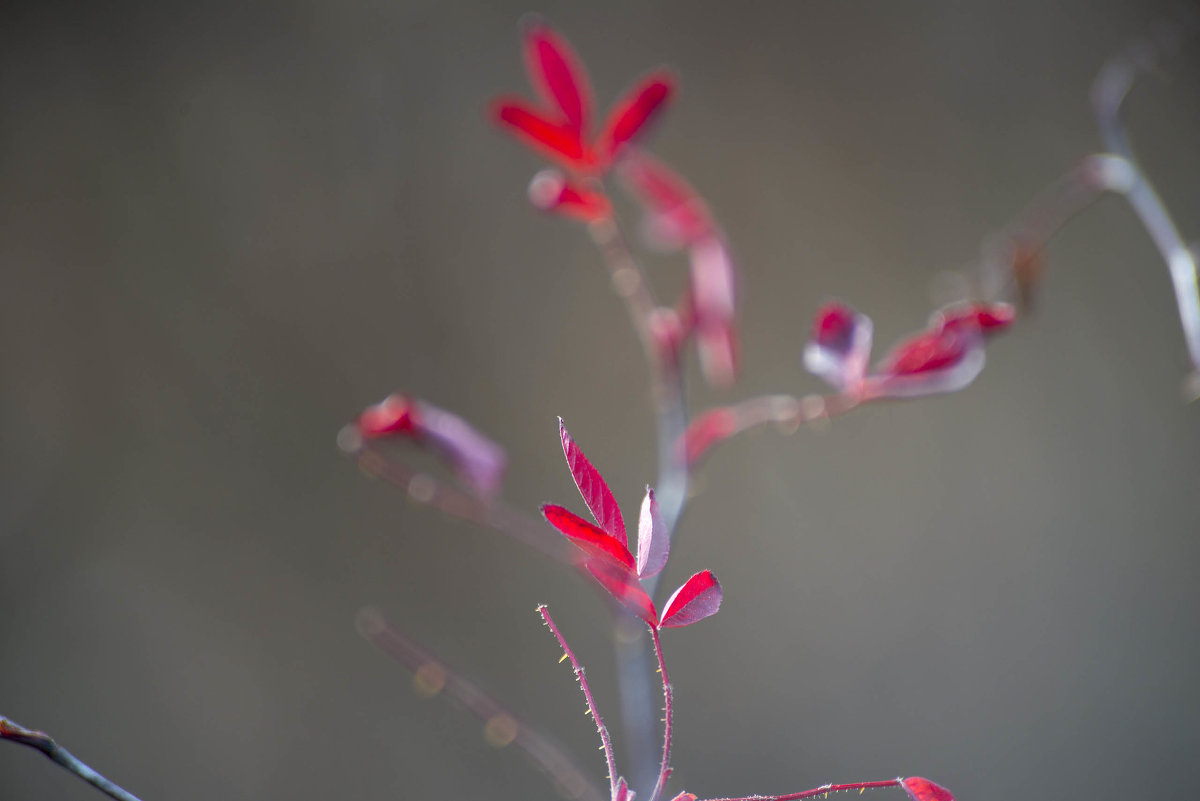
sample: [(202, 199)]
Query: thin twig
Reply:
[(432, 675), (581, 676), (1109, 91), (824, 789), (664, 769), (424, 489), (44, 743)]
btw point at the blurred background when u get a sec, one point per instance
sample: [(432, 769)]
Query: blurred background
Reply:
[(225, 228)]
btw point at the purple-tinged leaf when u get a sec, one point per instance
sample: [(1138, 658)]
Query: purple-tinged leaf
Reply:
[(713, 288), (685, 797), (839, 347), (595, 492), (698, 598), (475, 459), (622, 791), (592, 540), (625, 587), (653, 538), (392, 415), (920, 789)]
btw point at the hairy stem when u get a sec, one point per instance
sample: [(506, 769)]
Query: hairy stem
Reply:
[(581, 676), (824, 789), (664, 769), (44, 743)]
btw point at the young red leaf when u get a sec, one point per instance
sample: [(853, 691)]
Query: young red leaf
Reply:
[(559, 142), (676, 216), (990, 318), (558, 74), (713, 302), (625, 587), (595, 492), (653, 540), (553, 192), (395, 414), (622, 792), (840, 346), (632, 113), (685, 797), (920, 789), (943, 358), (590, 539), (698, 598)]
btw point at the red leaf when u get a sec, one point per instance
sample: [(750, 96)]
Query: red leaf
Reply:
[(699, 597), (653, 540), (840, 346), (558, 74), (592, 540), (625, 587), (393, 415), (635, 110), (919, 789), (551, 191), (988, 317), (676, 216), (556, 141), (595, 492)]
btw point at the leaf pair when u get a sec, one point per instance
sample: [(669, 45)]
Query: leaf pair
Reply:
[(561, 127), (606, 545), (945, 357)]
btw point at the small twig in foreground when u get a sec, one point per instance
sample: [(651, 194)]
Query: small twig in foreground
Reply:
[(44, 743), (501, 727)]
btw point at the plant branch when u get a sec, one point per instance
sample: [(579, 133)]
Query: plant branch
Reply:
[(424, 489), (1109, 91), (664, 769), (44, 743), (501, 727), (581, 676), (824, 789), (670, 409)]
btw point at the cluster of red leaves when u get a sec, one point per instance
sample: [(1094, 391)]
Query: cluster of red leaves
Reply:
[(606, 546), (676, 217), (944, 357)]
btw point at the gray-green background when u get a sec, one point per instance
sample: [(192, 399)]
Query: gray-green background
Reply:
[(225, 228)]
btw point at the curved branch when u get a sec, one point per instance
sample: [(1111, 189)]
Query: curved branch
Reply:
[(44, 743)]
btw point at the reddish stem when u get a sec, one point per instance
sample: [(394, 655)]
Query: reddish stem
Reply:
[(824, 789), (581, 676), (664, 769)]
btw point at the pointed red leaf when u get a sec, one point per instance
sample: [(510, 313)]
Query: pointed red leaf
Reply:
[(556, 141), (592, 540), (557, 73), (553, 192), (637, 108), (653, 540), (698, 598), (988, 317), (622, 791), (685, 797), (920, 789), (595, 492), (625, 587)]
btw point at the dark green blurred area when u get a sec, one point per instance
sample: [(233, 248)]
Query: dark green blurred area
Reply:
[(226, 229)]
